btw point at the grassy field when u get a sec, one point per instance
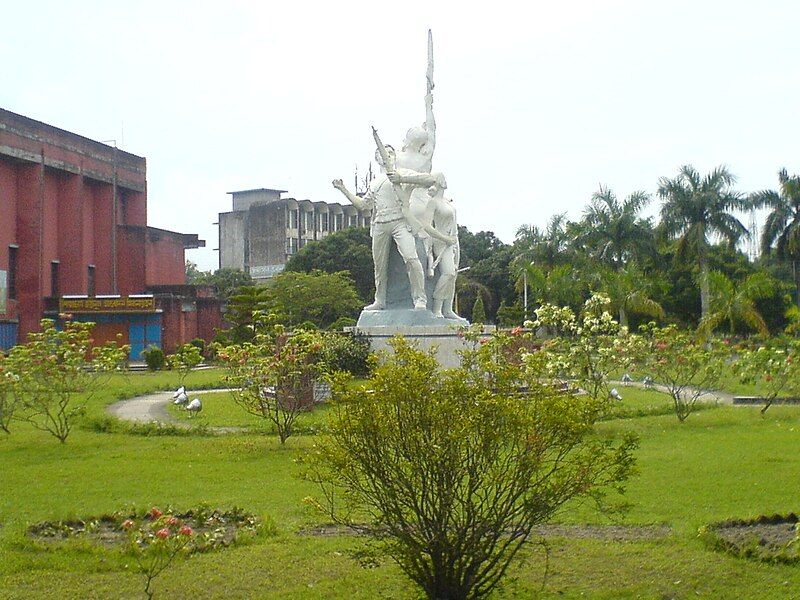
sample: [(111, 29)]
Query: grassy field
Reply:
[(722, 462)]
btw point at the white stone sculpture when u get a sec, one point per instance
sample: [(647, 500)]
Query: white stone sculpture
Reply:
[(409, 212)]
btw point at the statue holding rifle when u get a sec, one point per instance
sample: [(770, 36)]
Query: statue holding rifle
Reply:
[(403, 212)]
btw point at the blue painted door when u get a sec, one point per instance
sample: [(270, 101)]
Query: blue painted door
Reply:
[(8, 335), (144, 331)]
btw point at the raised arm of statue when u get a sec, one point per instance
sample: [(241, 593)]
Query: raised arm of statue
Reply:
[(413, 178), (359, 203), (430, 122)]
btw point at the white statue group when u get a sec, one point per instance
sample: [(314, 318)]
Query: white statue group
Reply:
[(407, 204)]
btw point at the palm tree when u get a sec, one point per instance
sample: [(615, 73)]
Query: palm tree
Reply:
[(696, 207), (560, 285), (735, 302), (629, 292), (547, 248), (782, 226), (613, 231)]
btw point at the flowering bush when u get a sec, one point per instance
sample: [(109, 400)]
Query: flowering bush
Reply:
[(685, 364), (775, 370), (273, 376), (154, 542), (586, 349), (58, 367)]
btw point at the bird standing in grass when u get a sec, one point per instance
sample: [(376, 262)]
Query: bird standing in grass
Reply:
[(615, 394), (180, 397), (195, 406)]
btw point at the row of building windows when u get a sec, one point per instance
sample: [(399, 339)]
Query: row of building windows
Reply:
[(55, 287), (324, 221)]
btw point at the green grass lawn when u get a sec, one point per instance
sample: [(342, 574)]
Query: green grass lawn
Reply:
[(722, 462)]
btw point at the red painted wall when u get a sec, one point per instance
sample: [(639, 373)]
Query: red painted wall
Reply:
[(29, 289), (8, 224), (57, 203), (131, 273), (166, 263)]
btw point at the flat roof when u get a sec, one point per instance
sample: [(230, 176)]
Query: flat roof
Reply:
[(8, 116), (258, 190)]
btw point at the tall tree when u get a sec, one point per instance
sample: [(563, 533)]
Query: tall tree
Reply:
[(546, 248), (782, 226), (613, 231), (629, 292), (696, 207), (346, 250), (735, 302)]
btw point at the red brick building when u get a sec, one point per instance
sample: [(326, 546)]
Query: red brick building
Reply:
[(74, 238)]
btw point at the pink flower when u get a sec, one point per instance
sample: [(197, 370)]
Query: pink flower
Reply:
[(162, 534), (173, 521), (186, 530), (127, 524), (516, 331), (155, 513)]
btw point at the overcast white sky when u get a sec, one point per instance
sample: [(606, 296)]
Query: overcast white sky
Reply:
[(537, 103)]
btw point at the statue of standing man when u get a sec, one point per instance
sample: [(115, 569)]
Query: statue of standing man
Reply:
[(399, 202)]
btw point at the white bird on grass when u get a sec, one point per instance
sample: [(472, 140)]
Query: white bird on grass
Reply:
[(615, 394), (195, 406), (648, 381), (180, 397), (626, 379)]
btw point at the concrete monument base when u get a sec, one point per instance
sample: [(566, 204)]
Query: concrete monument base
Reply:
[(443, 335)]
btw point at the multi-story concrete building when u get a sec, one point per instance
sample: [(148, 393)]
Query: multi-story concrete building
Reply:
[(264, 229), (74, 239)]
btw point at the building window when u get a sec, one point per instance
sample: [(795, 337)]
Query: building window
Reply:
[(323, 222), (12, 272), (352, 221), (301, 243), (90, 280), (366, 221), (309, 217), (54, 293), (291, 245), (338, 222), (292, 218)]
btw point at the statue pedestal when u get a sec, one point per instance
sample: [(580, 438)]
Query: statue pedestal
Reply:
[(419, 327)]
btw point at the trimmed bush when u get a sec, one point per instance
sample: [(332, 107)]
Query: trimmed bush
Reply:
[(154, 358)]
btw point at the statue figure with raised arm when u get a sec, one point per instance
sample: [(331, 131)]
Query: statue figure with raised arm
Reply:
[(391, 222)]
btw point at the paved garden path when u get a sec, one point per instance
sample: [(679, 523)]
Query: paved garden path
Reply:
[(711, 396), (153, 408)]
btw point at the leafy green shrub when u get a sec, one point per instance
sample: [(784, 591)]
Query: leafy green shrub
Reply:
[(478, 311), (341, 323), (456, 467), (57, 369), (348, 352), (200, 344), (154, 358), (186, 358)]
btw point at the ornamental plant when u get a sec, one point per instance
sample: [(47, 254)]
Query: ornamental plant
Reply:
[(688, 366), (776, 371), (9, 394), (585, 349), (57, 371), (452, 469), (185, 358), (273, 375), (154, 542)]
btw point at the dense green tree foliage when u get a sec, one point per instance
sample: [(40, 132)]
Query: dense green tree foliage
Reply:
[(696, 207), (347, 250), (782, 227)]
